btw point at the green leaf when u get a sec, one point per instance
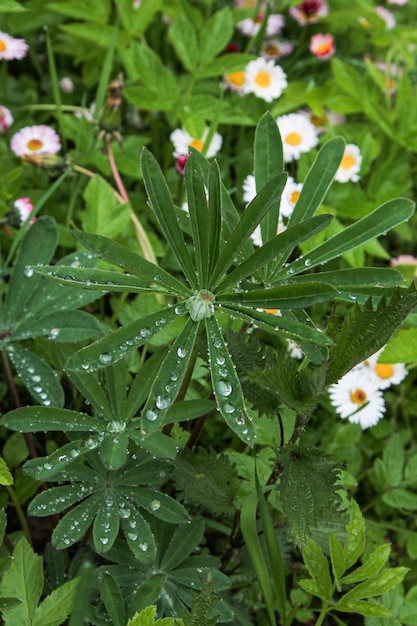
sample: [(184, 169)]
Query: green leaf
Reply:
[(120, 255), (112, 599), (73, 526), (147, 593), (337, 557), (376, 223), (368, 609), (372, 566), (253, 214), (215, 35), (44, 418), (378, 585), (356, 539), (164, 209), (114, 450), (402, 348), (283, 297), (11, 6), (57, 499), (401, 499), (37, 246), (225, 64), (60, 326), (83, 593), (157, 503), (183, 37), (37, 376), (138, 535), (169, 378), (120, 342), (5, 476), (23, 580), (103, 280), (56, 607), (106, 525), (199, 218), (43, 468), (318, 567), (226, 384), (104, 214), (185, 539)]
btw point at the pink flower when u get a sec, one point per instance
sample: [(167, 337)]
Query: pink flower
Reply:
[(12, 48), (6, 119), (251, 27), (405, 259), (66, 84), (322, 46), (309, 12), (387, 16), (180, 163), (35, 140), (23, 207)]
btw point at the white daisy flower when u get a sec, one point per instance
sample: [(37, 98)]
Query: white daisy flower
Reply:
[(298, 135), (23, 207), (182, 140), (350, 165), (249, 188), (384, 374), (265, 79), (12, 48), (235, 81), (289, 197), (6, 120), (250, 27), (358, 399), (35, 140), (256, 236), (275, 49)]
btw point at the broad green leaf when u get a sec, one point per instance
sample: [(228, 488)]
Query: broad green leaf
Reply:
[(274, 551), (116, 382), (114, 450), (106, 524), (368, 609), (393, 460), (11, 6), (283, 297), (136, 19), (226, 384), (44, 418), (120, 255), (113, 600), (73, 526), (83, 10), (253, 214), (183, 37), (399, 498), (104, 214), (142, 383), (283, 242), (188, 410), (120, 342), (56, 607), (138, 535), (355, 280), (60, 326), (185, 539), (249, 531), (169, 378), (92, 389), (376, 586), (226, 64), (23, 580), (372, 566), (356, 540), (373, 225), (199, 218), (318, 567), (163, 206), (5, 476), (57, 499), (103, 280), (402, 348), (37, 376), (157, 444), (215, 35), (3, 523), (37, 246)]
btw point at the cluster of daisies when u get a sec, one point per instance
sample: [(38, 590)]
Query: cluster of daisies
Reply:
[(358, 396)]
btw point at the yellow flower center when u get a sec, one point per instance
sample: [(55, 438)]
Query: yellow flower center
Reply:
[(384, 370), (237, 78), (263, 79), (323, 48), (294, 197), (34, 144), (272, 49), (358, 396), (348, 161), (249, 4), (294, 139), (272, 311), (197, 144), (2, 46), (317, 120)]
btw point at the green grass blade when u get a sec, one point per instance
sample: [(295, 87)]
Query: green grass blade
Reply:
[(55, 88), (163, 206)]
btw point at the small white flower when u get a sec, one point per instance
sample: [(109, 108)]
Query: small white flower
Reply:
[(249, 188), (35, 140), (12, 48), (350, 165), (384, 374), (24, 208), (250, 27), (275, 49), (256, 236), (289, 197), (66, 84), (358, 399), (6, 120), (387, 16), (265, 79), (298, 135), (182, 141), (294, 349)]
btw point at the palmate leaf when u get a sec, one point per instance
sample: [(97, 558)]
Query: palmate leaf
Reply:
[(365, 330)]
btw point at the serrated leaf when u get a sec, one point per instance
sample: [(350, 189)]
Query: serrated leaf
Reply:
[(23, 580), (385, 581), (5, 476), (318, 568), (399, 498), (402, 348), (56, 607), (37, 376), (356, 539), (337, 557), (372, 566), (368, 609)]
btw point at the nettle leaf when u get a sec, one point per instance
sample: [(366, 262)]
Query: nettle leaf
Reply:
[(207, 480), (307, 489), (365, 330)]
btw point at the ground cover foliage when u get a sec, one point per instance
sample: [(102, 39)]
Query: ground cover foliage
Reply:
[(207, 322)]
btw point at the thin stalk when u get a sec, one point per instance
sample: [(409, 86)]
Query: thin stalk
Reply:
[(323, 613), (20, 514)]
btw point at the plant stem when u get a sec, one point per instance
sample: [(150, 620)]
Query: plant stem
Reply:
[(20, 514), (323, 613)]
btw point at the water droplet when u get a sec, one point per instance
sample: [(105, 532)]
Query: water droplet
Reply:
[(290, 271), (307, 262), (240, 420), (224, 388), (132, 536), (182, 352), (216, 342), (222, 372), (28, 271), (179, 310), (36, 378), (85, 365), (143, 546), (155, 505), (104, 540), (47, 466), (220, 360), (54, 332), (151, 415), (124, 513), (228, 408), (105, 357), (162, 402), (353, 296), (63, 458), (174, 376)]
